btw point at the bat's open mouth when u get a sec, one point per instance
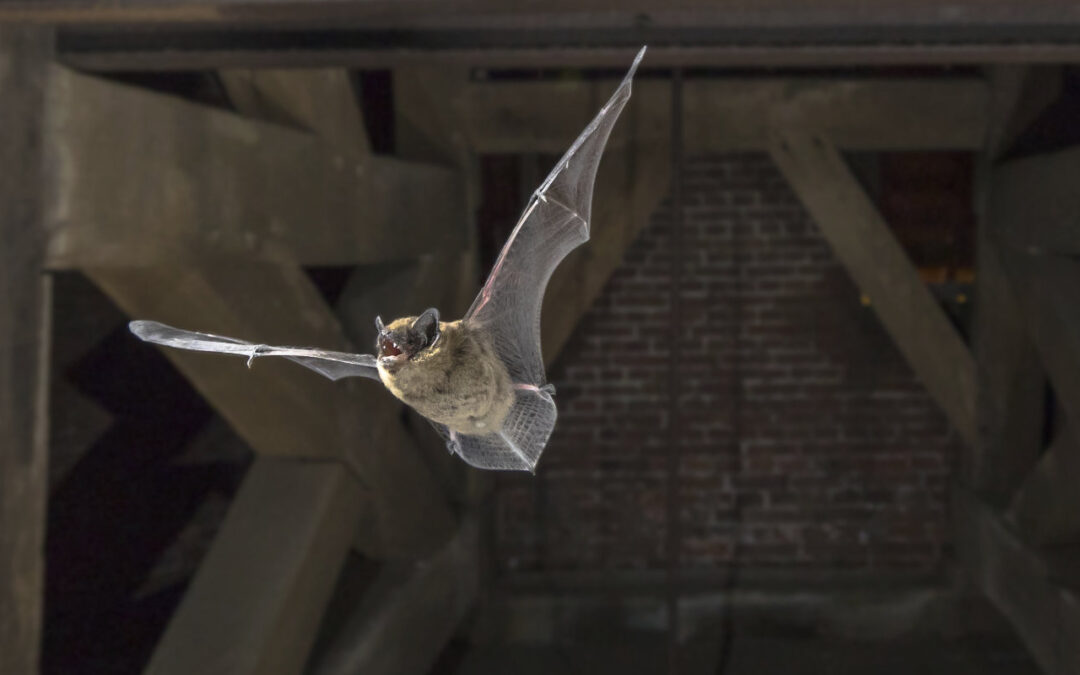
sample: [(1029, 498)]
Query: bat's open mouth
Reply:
[(388, 347)]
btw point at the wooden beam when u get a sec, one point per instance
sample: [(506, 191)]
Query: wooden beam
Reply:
[(279, 408), (320, 100), (1048, 290), (724, 115), (138, 176), (862, 241), (258, 597), (408, 614), (1020, 583), (1046, 507), (1036, 205), (25, 309)]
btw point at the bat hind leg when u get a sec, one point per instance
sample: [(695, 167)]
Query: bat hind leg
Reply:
[(548, 389)]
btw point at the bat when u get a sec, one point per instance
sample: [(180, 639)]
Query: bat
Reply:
[(480, 380)]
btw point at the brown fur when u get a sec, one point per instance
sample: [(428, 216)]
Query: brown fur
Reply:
[(460, 382)]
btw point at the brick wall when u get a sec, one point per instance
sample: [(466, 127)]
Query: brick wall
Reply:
[(806, 439)]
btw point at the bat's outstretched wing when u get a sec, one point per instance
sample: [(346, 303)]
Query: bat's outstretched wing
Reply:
[(334, 365), (555, 221), (507, 310)]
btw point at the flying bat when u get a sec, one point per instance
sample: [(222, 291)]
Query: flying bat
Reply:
[(480, 380)]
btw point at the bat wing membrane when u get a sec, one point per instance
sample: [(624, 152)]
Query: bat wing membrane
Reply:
[(334, 365), (555, 221), (517, 446)]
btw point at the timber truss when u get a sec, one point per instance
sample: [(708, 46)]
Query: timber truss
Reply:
[(202, 217)]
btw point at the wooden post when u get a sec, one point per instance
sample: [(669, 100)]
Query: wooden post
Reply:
[(24, 346)]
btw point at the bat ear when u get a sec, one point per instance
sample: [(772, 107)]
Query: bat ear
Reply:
[(427, 325), (379, 324)]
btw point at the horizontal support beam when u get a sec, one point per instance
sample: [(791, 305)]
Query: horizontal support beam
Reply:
[(727, 115), (1020, 583), (408, 614), (1035, 203), (867, 248), (136, 177), (257, 600)]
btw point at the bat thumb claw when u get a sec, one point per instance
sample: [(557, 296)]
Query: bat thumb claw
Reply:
[(256, 350)]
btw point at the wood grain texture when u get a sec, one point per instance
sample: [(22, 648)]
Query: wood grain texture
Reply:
[(25, 309), (864, 244), (138, 176)]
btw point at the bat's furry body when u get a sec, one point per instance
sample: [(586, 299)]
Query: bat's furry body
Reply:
[(459, 381), (480, 380)]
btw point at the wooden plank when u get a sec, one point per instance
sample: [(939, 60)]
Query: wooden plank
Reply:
[(1036, 205), (724, 115), (279, 408), (1019, 582), (1011, 393), (257, 599), (320, 100), (833, 18), (139, 176), (1048, 290), (862, 241), (408, 614), (25, 307), (1046, 507)]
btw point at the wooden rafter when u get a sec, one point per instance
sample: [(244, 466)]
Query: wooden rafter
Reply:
[(862, 241), (1035, 203), (140, 176), (25, 310), (1020, 582), (276, 559), (408, 614), (1046, 506), (722, 115), (320, 100)]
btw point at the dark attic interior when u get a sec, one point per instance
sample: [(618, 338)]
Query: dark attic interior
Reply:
[(817, 368)]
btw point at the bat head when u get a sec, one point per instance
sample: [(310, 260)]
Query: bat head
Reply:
[(406, 338)]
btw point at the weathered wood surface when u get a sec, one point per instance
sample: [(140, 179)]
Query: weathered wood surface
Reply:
[(278, 407), (1020, 583), (1048, 290), (1046, 508), (866, 247), (138, 176), (726, 115), (408, 614), (258, 597), (25, 309), (320, 100), (1011, 382), (1035, 203)]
